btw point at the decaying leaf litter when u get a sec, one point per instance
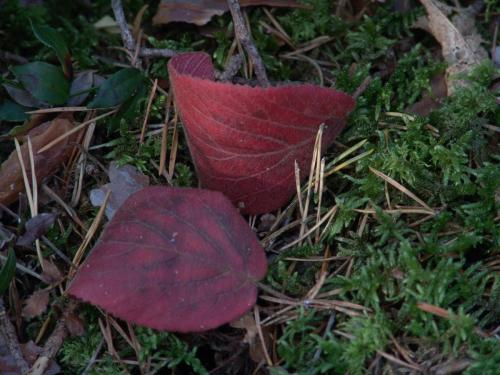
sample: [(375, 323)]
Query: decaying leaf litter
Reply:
[(343, 254)]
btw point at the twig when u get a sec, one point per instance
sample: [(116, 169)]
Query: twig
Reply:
[(232, 67), (362, 88), (243, 35), (22, 268), (4, 55), (128, 39), (156, 52), (52, 345), (10, 338)]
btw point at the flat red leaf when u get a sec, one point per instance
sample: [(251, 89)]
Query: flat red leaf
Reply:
[(174, 259), (244, 140)]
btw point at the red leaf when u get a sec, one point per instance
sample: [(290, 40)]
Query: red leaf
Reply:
[(244, 140), (174, 259)]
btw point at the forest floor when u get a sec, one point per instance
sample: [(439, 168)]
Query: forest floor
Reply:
[(385, 261)]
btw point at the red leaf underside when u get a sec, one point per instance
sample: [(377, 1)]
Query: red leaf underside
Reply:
[(244, 140), (174, 259)]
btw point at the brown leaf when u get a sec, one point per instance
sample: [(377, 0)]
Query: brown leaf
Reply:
[(36, 304), (248, 323), (200, 12), (430, 100), (124, 181), (51, 274), (459, 40), (31, 351), (46, 163), (75, 325)]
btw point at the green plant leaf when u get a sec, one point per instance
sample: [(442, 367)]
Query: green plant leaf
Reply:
[(117, 88), (13, 112), (44, 81), (8, 271), (51, 38)]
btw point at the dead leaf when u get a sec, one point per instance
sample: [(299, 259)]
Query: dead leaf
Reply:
[(75, 325), (188, 261), (245, 140), (108, 24), (31, 351), (247, 322), (459, 40), (124, 181), (80, 88), (200, 12), (36, 304), (46, 163), (35, 228), (430, 100), (51, 274)]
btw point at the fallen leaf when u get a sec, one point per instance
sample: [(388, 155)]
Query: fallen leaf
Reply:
[(108, 24), (80, 87), (31, 351), (430, 100), (74, 324), (255, 350), (36, 304), (124, 181), (244, 140), (35, 228), (51, 274), (46, 163), (200, 12), (174, 259), (460, 41)]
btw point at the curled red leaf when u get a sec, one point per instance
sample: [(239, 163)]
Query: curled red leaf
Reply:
[(244, 140), (174, 259)]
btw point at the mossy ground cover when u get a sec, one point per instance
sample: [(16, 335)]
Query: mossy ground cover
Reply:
[(414, 241)]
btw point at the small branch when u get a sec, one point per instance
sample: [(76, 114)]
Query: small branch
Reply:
[(243, 35), (128, 39), (362, 88), (10, 337), (52, 345), (5, 55), (157, 52), (234, 64)]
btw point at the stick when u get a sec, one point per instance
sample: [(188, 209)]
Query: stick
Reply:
[(10, 337), (52, 345), (128, 39), (243, 35)]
